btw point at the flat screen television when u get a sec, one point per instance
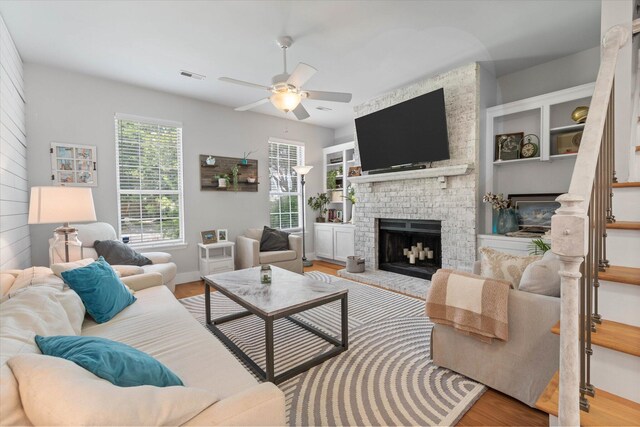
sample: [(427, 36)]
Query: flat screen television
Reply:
[(414, 131)]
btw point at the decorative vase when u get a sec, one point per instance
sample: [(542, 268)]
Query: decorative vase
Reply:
[(222, 182), (244, 161), (507, 221), (353, 211)]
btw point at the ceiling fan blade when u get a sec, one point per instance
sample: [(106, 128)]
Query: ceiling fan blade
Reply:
[(300, 112), (328, 96), (301, 74), (243, 83), (252, 105)]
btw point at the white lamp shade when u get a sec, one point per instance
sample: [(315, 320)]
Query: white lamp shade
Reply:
[(285, 101), (54, 205), (302, 170)]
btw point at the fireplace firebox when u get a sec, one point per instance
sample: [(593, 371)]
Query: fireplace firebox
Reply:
[(410, 247)]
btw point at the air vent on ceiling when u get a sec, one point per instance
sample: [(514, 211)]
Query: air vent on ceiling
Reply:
[(321, 108), (192, 75)]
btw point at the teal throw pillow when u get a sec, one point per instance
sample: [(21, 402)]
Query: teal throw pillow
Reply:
[(115, 362), (100, 289)]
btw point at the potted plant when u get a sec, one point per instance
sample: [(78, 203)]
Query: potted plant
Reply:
[(234, 172), (332, 186), (319, 204), (245, 155), (223, 180), (506, 221)]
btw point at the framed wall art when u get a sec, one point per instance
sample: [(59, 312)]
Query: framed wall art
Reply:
[(534, 211), (507, 146), (222, 235), (75, 165)]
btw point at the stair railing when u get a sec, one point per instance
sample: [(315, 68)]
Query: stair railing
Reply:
[(578, 233)]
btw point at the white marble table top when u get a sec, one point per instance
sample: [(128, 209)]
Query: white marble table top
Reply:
[(287, 290)]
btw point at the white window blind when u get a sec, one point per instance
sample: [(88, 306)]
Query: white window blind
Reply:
[(284, 190), (149, 171)]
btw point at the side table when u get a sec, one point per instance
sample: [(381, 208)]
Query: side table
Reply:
[(216, 257)]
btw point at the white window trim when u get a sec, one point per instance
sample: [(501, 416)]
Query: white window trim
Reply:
[(298, 183), (165, 244)]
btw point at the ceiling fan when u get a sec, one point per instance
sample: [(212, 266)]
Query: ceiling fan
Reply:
[(286, 89)]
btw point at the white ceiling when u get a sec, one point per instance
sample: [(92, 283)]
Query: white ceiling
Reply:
[(363, 47)]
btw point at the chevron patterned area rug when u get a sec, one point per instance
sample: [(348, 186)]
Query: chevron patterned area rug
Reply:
[(385, 378)]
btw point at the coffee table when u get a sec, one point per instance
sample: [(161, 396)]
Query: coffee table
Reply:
[(289, 293)]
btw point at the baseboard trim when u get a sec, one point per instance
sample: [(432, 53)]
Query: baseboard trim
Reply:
[(186, 277)]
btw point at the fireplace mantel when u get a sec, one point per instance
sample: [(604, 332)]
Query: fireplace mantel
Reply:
[(443, 171)]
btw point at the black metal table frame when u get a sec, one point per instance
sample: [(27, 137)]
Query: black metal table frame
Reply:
[(269, 375)]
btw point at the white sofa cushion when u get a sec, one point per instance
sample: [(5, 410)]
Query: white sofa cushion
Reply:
[(89, 400), (61, 267), (89, 233), (542, 277), (160, 326), (277, 256)]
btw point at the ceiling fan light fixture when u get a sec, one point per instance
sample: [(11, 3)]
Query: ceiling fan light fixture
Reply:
[(285, 100)]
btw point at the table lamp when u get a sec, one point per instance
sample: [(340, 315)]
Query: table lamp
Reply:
[(302, 171), (54, 205)]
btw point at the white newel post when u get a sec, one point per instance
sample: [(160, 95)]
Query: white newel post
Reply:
[(569, 242)]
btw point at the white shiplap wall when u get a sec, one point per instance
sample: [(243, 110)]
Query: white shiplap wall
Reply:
[(15, 243)]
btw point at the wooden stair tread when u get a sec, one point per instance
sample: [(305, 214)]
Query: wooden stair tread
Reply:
[(615, 336), (624, 225), (626, 184), (605, 409), (616, 273)]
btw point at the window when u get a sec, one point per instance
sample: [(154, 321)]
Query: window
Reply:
[(284, 190), (149, 173)]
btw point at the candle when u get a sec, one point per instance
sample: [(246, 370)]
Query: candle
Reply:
[(419, 245), (421, 256), (416, 251), (404, 251), (430, 254), (412, 258)]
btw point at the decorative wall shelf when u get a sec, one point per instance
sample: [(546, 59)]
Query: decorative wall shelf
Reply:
[(415, 174), (225, 165)]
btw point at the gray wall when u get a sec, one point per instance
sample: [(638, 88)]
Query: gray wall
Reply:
[(14, 195), (63, 106)]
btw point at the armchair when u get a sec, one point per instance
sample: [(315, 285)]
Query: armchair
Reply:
[(89, 233), (248, 252)]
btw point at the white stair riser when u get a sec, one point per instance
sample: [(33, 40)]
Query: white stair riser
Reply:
[(626, 203), (616, 372), (619, 302), (623, 247)]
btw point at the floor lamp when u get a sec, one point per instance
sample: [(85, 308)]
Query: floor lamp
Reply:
[(55, 205), (302, 171)]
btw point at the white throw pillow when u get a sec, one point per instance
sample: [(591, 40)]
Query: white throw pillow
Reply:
[(127, 270), (35, 276), (61, 267), (543, 276), (502, 266), (89, 400)]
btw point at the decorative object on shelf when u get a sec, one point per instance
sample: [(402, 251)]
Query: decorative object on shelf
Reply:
[(538, 247), (530, 146), (351, 196), (355, 170), (534, 211), (508, 146), (251, 179), (507, 221), (209, 236), (579, 115), (332, 179), (54, 205), (227, 171), (319, 204), (303, 171), (222, 235), (569, 142), (211, 161), (73, 164), (265, 274), (335, 160), (245, 158)]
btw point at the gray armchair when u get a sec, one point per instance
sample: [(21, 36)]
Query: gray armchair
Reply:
[(248, 252)]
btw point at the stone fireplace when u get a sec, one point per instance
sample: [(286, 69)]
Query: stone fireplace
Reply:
[(451, 202), (409, 247)]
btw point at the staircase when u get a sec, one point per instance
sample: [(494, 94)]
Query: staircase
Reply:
[(596, 233)]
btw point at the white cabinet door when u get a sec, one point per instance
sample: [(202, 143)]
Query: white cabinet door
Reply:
[(343, 242), (323, 241)]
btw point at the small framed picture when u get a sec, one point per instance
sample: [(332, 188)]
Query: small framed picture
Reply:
[(222, 235), (209, 236), (534, 211), (73, 164), (355, 170), (508, 146)]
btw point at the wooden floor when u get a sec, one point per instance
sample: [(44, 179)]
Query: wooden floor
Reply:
[(492, 409)]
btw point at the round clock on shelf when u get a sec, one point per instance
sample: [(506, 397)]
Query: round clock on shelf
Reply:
[(529, 146)]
